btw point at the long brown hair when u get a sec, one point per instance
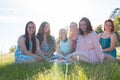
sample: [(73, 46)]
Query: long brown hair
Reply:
[(40, 34), (33, 38), (88, 24), (109, 20)]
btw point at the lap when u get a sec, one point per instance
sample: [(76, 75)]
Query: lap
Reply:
[(20, 58)]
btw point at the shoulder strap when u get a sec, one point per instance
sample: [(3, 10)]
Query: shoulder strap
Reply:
[(101, 34), (110, 34)]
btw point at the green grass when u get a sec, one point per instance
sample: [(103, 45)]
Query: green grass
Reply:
[(109, 70), (118, 52)]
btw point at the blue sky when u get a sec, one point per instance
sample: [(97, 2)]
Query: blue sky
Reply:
[(14, 14)]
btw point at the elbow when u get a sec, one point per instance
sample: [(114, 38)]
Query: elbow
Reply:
[(25, 52), (112, 48), (108, 49)]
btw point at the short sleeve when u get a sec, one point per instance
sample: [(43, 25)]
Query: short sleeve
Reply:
[(96, 44)]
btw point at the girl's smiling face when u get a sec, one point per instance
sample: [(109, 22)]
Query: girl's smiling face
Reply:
[(108, 26), (46, 28), (83, 26), (31, 28)]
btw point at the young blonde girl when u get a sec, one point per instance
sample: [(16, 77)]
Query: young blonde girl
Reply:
[(62, 45)]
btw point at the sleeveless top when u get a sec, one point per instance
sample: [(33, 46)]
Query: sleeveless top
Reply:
[(18, 49), (105, 43), (48, 48), (44, 46), (65, 46), (74, 45)]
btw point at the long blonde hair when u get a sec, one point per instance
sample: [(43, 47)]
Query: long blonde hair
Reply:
[(75, 25), (60, 39), (60, 36)]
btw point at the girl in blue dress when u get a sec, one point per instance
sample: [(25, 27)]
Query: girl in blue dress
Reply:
[(108, 39), (28, 46), (63, 46), (47, 41)]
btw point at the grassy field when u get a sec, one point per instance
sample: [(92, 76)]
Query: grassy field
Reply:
[(118, 52), (109, 70)]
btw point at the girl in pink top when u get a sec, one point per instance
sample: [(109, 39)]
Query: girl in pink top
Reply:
[(88, 48)]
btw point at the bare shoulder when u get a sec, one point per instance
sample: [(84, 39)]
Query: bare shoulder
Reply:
[(99, 34), (113, 35), (37, 41), (21, 38)]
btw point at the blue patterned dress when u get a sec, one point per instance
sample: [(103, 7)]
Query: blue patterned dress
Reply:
[(50, 49), (105, 43), (64, 48), (20, 57)]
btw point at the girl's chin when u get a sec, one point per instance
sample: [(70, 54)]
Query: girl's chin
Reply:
[(30, 33)]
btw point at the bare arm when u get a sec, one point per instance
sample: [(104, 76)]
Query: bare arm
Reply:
[(99, 35), (113, 38), (21, 42), (57, 46), (24, 49), (52, 46), (39, 51), (78, 44), (45, 53), (70, 47)]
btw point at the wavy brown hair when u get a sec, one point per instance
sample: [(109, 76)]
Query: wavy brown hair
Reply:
[(33, 38), (109, 20), (40, 34), (88, 24)]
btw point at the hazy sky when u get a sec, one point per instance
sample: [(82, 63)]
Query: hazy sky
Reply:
[(14, 14)]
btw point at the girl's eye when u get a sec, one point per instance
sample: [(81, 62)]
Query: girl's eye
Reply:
[(109, 25), (82, 24), (31, 27)]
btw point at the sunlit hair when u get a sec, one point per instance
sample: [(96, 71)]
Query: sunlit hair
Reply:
[(88, 26), (33, 38), (109, 20), (60, 36), (40, 34), (75, 25)]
